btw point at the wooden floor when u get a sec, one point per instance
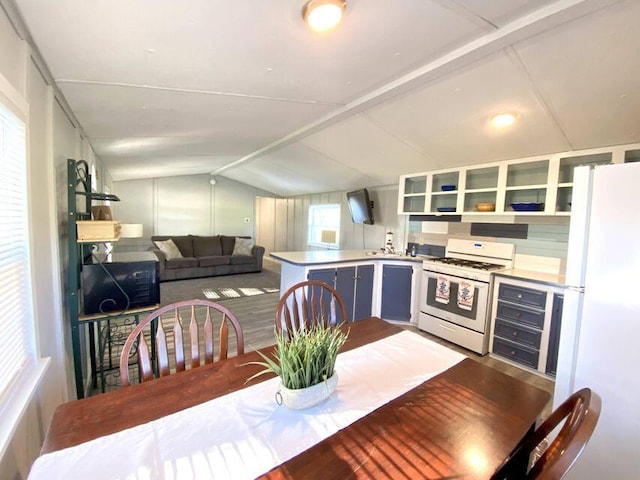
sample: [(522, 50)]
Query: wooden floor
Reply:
[(256, 316)]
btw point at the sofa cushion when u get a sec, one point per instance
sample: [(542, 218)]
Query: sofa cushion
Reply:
[(183, 242), (227, 244), (182, 263), (169, 248), (243, 246), (206, 246), (242, 259), (213, 260)]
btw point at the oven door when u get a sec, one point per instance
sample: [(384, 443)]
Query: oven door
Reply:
[(449, 298)]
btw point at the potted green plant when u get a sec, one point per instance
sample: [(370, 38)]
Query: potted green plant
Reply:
[(305, 362)]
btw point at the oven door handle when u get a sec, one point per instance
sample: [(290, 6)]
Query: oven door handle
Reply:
[(455, 279)]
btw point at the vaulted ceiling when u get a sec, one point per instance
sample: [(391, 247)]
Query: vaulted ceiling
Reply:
[(243, 89)]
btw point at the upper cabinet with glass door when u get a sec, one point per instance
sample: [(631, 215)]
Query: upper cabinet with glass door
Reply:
[(529, 186)]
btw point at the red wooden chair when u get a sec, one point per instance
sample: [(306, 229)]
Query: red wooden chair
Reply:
[(309, 303), (581, 411), (206, 309)]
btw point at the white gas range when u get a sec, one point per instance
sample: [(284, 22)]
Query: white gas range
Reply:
[(456, 291)]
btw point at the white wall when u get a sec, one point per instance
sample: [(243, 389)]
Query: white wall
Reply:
[(52, 138), (283, 223), (185, 205), (44, 245)]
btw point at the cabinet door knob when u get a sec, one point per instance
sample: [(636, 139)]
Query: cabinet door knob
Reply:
[(519, 295), (513, 352), (515, 334)]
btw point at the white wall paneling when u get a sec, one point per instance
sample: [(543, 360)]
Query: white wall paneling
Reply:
[(265, 223), (186, 204), (291, 221), (13, 55), (66, 144), (51, 140), (47, 287)]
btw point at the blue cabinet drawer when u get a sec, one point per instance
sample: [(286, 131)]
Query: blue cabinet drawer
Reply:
[(522, 295), (518, 333), (517, 353), (522, 315)]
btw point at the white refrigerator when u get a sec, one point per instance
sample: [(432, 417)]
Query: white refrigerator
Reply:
[(600, 333)]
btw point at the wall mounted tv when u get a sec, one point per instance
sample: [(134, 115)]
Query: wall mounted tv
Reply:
[(360, 206)]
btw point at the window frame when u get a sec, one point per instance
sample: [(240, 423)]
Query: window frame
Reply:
[(17, 393), (314, 229)]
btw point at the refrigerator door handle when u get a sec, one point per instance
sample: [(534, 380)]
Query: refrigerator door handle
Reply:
[(575, 289)]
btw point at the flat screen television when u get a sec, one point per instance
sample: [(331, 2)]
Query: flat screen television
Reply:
[(360, 206), (135, 276)]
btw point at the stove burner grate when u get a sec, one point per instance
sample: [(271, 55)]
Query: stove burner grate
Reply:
[(461, 262)]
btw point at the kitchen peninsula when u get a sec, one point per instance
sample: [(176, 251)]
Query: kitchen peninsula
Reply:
[(370, 283)]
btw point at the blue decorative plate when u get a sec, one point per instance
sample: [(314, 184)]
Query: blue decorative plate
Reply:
[(446, 209), (527, 207)]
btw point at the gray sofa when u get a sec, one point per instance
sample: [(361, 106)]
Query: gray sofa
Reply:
[(205, 257)]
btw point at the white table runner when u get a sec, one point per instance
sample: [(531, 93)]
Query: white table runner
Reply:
[(245, 434)]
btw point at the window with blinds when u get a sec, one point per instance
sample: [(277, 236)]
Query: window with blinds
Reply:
[(17, 336)]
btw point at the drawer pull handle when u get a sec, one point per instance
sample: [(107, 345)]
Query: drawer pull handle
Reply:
[(519, 295)]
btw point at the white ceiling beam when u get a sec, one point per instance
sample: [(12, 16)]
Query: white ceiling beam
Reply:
[(545, 18)]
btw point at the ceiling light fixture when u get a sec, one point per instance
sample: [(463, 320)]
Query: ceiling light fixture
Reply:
[(323, 15), (504, 119), (212, 180)]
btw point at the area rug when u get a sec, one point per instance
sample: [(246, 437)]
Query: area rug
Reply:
[(222, 293)]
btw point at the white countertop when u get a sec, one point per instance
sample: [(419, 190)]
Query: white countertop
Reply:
[(531, 275), (338, 256)]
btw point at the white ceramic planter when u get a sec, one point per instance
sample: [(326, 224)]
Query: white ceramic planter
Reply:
[(307, 397)]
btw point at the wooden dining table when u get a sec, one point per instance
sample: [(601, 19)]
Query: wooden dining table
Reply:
[(462, 423)]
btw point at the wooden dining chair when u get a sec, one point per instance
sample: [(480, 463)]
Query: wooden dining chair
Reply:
[(195, 309), (309, 303), (580, 412)]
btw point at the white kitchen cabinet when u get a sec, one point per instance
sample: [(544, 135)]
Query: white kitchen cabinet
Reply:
[(565, 176), (525, 323), (412, 194), (480, 186), (546, 179)]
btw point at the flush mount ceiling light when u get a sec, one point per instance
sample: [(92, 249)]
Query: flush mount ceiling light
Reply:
[(503, 119), (323, 15)]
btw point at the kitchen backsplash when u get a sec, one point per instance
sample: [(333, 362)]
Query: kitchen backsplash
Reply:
[(542, 240)]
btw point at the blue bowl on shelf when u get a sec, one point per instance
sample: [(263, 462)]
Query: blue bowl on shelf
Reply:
[(448, 188), (527, 207), (446, 209)]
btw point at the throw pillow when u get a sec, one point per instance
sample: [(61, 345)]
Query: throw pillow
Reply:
[(243, 246), (169, 249)]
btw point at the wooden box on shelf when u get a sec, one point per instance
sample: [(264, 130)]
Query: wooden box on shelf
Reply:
[(98, 230)]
